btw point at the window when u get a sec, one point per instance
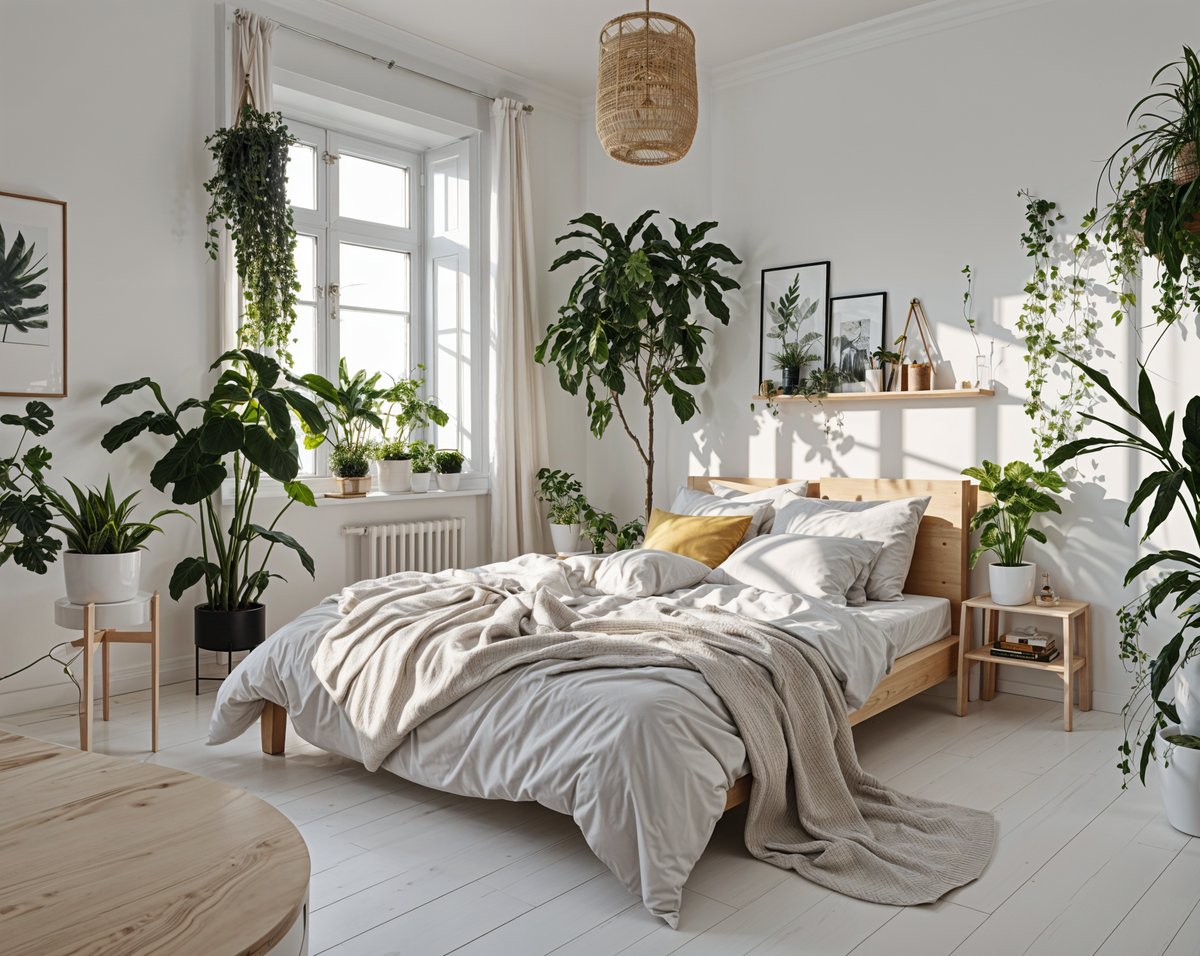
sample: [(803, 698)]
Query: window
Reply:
[(385, 282)]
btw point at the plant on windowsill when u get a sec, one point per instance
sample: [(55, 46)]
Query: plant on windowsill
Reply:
[(354, 410), (795, 345), (244, 432), (393, 461), (1020, 493), (627, 332), (448, 462), (249, 198), (352, 471), (563, 494), (422, 464), (405, 412)]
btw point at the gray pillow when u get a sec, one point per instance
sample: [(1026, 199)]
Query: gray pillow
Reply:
[(825, 568), (689, 502), (892, 523), (777, 495)]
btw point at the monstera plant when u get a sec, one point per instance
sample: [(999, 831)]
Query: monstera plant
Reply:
[(19, 272), (628, 331)]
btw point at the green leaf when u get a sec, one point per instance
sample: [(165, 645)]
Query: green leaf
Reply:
[(188, 572), (221, 435), (278, 537), (275, 457), (299, 491), (1164, 501), (126, 431)]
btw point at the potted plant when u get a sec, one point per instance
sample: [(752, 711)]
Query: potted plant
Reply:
[(885, 365), (350, 467), (563, 494), (1019, 493), (630, 534), (241, 432), (26, 509), (422, 464), (103, 560), (628, 322), (249, 197), (983, 367), (449, 465), (795, 346), (394, 462), (597, 527)]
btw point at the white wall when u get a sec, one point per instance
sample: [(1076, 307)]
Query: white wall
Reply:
[(901, 162), (115, 101)]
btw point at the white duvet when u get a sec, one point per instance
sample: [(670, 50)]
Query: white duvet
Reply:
[(641, 759)]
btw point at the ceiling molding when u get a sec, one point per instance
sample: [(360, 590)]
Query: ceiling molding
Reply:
[(893, 28)]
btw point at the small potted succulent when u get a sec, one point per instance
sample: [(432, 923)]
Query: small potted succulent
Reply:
[(563, 493), (350, 467), (449, 465), (422, 464), (394, 461)]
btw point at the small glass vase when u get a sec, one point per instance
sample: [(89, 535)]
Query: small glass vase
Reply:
[(983, 371)]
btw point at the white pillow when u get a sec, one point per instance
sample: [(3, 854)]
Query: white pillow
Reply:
[(777, 495), (825, 568), (689, 502), (891, 523), (642, 572)]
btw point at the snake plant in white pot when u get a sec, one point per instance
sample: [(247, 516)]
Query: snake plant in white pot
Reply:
[(1019, 493)]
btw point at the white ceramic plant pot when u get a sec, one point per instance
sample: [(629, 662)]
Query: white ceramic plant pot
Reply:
[(1180, 784), (449, 482), (420, 481), (1012, 587), (1187, 696), (565, 538), (395, 477), (875, 380), (102, 578)]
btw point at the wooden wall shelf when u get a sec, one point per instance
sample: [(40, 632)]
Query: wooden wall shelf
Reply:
[(930, 395)]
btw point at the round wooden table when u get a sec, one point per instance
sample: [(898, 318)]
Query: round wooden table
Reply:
[(102, 855)]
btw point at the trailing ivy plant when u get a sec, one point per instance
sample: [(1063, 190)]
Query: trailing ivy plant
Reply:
[(249, 197), (627, 332), (1058, 321)]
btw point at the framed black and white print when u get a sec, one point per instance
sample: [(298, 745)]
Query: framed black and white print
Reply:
[(856, 329), (793, 310), (33, 296)]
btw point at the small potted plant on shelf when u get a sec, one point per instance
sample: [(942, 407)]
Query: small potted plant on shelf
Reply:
[(884, 365), (394, 461), (563, 493), (1019, 494), (449, 465), (422, 464), (795, 345), (405, 411), (103, 560), (352, 470)]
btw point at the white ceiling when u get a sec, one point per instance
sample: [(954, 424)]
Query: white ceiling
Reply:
[(554, 41)]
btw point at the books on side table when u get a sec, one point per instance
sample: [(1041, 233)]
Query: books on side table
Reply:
[(1026, 644)]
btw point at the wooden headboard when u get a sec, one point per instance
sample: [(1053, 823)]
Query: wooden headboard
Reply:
[(939, 565)]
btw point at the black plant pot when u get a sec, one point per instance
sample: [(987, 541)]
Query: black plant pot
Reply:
[(791, 381), (227, 631)]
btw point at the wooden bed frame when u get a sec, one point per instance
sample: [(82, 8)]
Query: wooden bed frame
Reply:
[(939, 569)]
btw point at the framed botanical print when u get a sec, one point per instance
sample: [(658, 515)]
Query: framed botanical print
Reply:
[(33, 296), (856, 329), (794, 303)]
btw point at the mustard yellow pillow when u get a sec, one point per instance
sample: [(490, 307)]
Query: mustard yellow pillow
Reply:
[(707, 538)]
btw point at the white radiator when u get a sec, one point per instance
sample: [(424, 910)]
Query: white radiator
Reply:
[(410, 546)]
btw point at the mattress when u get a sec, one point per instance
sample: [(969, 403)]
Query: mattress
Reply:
[(910, 624)]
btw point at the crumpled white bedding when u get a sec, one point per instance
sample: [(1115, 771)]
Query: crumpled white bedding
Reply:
[(641, 759)]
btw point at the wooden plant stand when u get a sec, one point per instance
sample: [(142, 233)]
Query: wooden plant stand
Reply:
[(102, 626)]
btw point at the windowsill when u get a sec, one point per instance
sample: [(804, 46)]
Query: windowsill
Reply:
[(471, 486)]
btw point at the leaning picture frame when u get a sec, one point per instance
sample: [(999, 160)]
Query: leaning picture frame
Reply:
[(857, 327), (33, 296), (793, 313)]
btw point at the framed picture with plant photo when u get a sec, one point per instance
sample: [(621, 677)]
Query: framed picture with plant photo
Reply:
[(33, 296), (857, 328), (793, 310)]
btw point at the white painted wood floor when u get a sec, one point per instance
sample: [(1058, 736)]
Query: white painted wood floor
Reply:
[(1080, 867)]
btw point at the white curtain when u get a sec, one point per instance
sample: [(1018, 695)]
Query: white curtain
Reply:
[(518, 422), (251, 83)]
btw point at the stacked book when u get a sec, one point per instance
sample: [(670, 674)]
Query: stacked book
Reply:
[(1026, 645)]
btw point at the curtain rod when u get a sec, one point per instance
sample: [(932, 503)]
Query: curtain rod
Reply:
[(390, 64)]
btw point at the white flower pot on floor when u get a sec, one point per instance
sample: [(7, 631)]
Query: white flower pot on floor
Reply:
[(420, 481), (449, 482), (565, 538), (1012, 587), (102, 578), (395, 477), (1180, 784)]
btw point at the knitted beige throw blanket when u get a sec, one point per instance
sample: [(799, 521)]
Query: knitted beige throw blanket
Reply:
[(408, 648)]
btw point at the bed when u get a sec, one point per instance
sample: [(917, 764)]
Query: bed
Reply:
[(647, 805)]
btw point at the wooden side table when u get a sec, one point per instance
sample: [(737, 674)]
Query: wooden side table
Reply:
[(1075, 652), (102, 625)]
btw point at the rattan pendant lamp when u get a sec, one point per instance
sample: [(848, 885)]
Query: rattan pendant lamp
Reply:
[(646, 89)]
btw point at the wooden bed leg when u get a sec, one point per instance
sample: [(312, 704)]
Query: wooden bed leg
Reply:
[(274, 729)]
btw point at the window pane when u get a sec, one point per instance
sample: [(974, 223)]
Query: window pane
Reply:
[(373, 278), (372, 192), (306, 267), (302, 176), (374, 341)]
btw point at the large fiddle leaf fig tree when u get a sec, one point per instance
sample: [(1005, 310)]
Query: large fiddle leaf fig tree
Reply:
[(628, 331)]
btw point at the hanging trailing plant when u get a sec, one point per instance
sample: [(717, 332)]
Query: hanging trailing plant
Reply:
[(249, 196), (1058, 322)]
